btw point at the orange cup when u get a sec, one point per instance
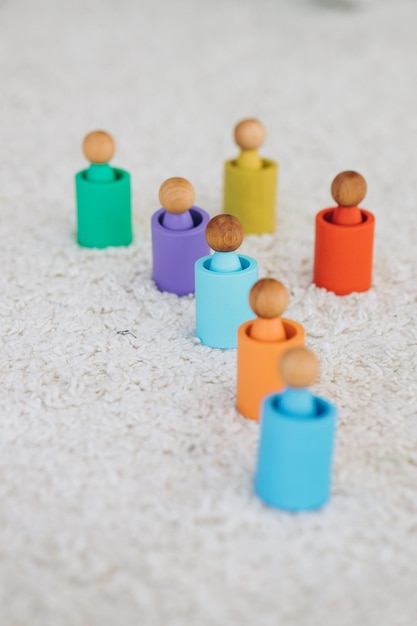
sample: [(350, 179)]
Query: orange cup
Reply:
[(343, 253), (257, 365)]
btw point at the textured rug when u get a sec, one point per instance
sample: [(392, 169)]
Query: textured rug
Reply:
[(126, 473)]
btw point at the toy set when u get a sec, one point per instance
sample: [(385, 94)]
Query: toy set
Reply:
[(235, 309)]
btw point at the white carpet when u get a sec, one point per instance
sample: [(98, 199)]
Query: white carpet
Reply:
[(125, 471)]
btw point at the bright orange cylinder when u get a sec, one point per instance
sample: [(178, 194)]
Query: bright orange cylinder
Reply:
[(257, 365), (343, 253)]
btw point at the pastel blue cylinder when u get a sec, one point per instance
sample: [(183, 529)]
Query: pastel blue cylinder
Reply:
[(222, 301), (295, 455)]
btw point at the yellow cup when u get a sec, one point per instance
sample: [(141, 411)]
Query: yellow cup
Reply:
[(250, 195)]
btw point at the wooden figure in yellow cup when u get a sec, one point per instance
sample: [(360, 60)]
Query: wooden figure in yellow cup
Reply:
[(250, 181)]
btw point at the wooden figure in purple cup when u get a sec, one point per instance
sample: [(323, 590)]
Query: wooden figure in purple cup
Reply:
[(178, 237)]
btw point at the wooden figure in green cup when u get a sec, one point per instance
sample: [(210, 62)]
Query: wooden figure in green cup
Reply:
[(104, 215)]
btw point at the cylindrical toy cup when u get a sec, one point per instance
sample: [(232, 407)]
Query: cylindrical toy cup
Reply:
[(104, 215), (222, 301), (295, 456), (250, 195), (257, 366), (175, 252), (343, 253)]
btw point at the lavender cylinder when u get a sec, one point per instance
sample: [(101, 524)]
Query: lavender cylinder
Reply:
[(175, 252)]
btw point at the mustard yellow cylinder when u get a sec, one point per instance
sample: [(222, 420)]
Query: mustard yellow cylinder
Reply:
[(251, 195)]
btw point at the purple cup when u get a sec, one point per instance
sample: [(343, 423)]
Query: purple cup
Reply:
[(174, 252)]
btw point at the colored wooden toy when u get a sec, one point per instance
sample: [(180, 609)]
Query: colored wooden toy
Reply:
[(222, 284), (344, 239), (104, 216), (297, 435), (250, 182), (178, 237), (260, 344)]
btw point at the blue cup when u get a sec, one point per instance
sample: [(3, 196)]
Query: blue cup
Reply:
[(295, 455), (222, 301)]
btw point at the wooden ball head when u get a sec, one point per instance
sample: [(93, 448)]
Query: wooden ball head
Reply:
[(249, 134), (98, 147), (268, 298), (224, 233), (299, 367), (176, 195), (348, 189)]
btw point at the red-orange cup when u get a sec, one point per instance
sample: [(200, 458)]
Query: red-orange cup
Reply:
[(343, 254)]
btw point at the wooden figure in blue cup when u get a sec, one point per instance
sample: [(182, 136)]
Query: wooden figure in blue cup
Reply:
[(222, 284), (297, 433)]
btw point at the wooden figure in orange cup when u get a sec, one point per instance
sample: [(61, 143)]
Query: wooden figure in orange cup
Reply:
[(261, 343), (344, 239)]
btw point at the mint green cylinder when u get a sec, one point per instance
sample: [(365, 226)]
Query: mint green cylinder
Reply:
[(104, 214)]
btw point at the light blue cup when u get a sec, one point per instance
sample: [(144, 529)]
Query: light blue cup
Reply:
[(295, 454), (222, 301)]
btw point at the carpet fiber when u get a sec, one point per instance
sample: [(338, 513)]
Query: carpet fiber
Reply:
[(126, 473)]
